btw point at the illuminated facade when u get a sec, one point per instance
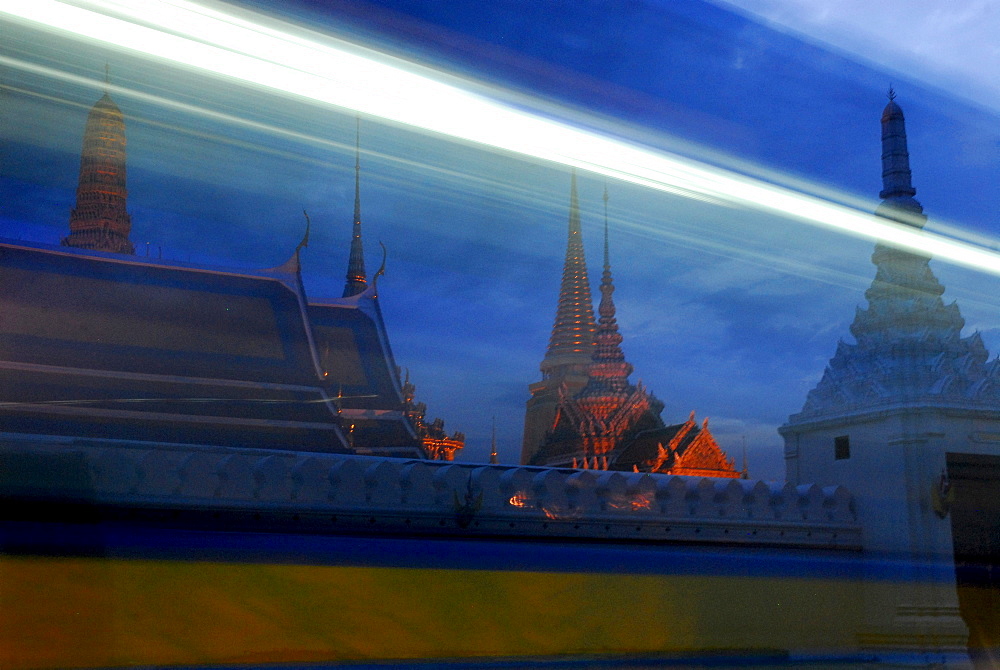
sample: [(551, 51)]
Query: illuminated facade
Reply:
[(585, 413), (99, 221), (437, 444)]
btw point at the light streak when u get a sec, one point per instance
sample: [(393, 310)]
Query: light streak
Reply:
[(324, 70)]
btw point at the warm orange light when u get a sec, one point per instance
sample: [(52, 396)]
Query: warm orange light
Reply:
[(519, 500)]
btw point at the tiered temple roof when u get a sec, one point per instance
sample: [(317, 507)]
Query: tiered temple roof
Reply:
[(105, 347), (681, 449)]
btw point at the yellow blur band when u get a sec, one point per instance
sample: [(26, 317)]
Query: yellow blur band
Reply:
[(95, 612)]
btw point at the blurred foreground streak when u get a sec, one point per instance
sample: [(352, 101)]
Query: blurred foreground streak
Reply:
[(122, 554)]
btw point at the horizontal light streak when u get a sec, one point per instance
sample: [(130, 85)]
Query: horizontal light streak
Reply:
[(333, 72)]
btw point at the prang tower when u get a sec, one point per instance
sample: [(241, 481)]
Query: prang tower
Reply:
[(100, 221)]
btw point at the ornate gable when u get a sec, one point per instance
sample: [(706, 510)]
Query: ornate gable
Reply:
[(680, 449), (701, 455)]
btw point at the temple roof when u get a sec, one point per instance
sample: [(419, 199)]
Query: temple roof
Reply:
[(683, 448), (100, 345)]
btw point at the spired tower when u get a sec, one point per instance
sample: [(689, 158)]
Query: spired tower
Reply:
[(571, 346), (357, 280), (435, 442), (100, 221), (597, 419), (899, 415), (590, 425)]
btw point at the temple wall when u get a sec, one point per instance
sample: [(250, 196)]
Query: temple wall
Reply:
[(896, 460), (125, 554), (395, 494)]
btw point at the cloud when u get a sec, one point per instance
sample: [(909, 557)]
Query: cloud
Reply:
[(951, 45)]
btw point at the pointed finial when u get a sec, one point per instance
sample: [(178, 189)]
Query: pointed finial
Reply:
[(892, 93), (381, 270), (493, 444), (356, 280), (744, 473), (357, 169), (107, 75), (305, 238), (607, 261)]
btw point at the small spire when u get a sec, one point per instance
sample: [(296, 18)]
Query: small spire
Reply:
[(607, 262), (744, 473), (897, 187), (609, 370), (357, 170), (357, 279), (107, 76), (493, 444)]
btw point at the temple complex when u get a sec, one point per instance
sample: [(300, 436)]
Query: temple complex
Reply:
[(585, 413), (99, 221), (99, 346)]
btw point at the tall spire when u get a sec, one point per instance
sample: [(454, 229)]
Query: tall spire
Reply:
[(357, 280), (100, 220), (572, 342), (909, 345), (897, 187), (609, 370)]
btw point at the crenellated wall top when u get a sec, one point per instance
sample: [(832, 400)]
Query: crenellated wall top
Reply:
[(389, 494)]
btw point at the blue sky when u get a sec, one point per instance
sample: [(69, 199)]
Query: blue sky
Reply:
[(727, 312)]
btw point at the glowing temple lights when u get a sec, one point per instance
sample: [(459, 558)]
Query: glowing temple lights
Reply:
[(219, 39)]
